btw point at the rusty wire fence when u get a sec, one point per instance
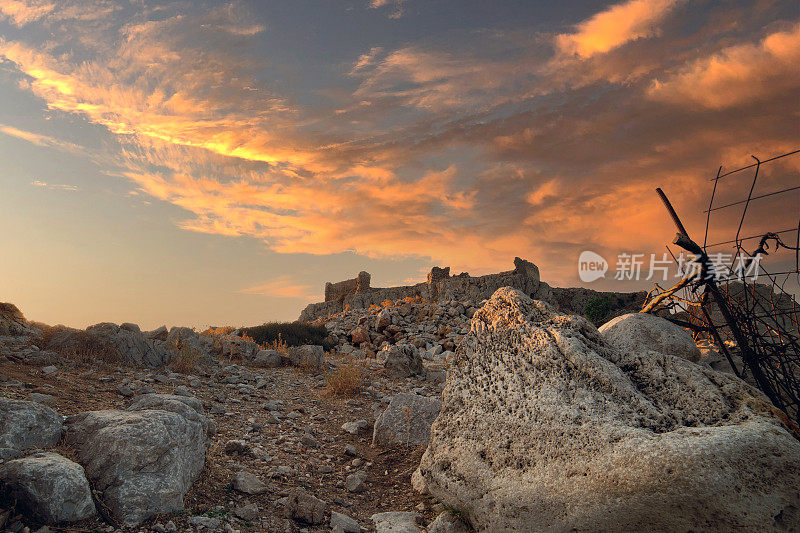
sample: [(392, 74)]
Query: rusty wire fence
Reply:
[(740, 290)]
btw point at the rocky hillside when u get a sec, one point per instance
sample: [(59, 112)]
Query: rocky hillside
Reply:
[(446, 414), (355, 295)]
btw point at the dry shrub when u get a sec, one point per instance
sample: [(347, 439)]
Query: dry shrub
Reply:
[(344, 381), (387, 303), (220, 331), (87, 349), (308, 366), (185, 359)]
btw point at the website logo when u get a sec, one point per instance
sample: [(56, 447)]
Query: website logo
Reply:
[(591, 266)]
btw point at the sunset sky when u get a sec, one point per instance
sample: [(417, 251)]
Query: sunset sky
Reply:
[(209, 163)]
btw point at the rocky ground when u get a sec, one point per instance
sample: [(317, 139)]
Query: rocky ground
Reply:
[(288, 434), (423, 417)]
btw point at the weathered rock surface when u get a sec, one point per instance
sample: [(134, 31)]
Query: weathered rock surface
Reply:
[(268, 359), (547, 427), (401, 361), (447, 523), (248, 483), (12, 321), (47, 487), (111, 342), (344, 522), (26, 425), (407, 420), (635, 332), (304, 507), (144, 461), (396, 522), (307, 355)]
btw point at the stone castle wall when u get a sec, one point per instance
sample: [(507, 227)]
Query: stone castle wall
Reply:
[(336, 292), (441, 286)]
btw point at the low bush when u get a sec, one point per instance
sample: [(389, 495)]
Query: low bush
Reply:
[(597, 309), (288, 334), (344, 381)]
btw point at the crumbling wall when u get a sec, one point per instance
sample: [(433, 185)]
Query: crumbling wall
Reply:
[(337, 292), (357, 294)]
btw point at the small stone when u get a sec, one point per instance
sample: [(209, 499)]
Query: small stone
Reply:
[(303, 507), (247, 511), (248, 483), (239, 447), (50, 370), (356, 482), (349, 449), (309, 440), (396, 522), (347, 524), (354, 428), (212, 524)]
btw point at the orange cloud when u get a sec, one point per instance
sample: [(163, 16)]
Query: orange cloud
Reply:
[(21, 13), (736, 74), (458, 181), (616, 26)]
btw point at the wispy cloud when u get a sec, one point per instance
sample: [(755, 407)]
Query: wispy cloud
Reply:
[(616, 26), (282, 287), (21, 12), (39, 139), (54, 186), (535, 144)]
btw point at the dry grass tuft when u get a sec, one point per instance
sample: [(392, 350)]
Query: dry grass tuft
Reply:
[(345, 381), (308, 366), (88, 349), (185, 360)]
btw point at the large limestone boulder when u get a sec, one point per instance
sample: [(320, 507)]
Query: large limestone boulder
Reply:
[(47, 487), (635, 332), (401, 361), (144, 460), (545, 426), (111, 342), (406, 421), (26, 425)]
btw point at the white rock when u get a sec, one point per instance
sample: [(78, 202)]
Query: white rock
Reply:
[(26, 425), (144, 461), (47, 487), (635, 332), (407, 420), (547, 427)]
